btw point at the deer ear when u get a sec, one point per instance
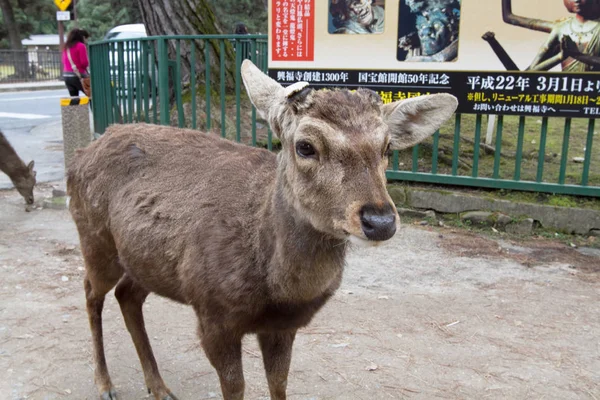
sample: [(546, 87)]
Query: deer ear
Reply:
[(263, 91), (30, 165), (414, 120)]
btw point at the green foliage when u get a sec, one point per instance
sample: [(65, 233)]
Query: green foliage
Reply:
[(32, 17), (561, 201), (98, 17), (253, 13)]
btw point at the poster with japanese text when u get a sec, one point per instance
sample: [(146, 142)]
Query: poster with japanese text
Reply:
[(525, 57)]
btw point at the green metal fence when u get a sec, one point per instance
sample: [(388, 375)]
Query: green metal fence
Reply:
[(148, 80)]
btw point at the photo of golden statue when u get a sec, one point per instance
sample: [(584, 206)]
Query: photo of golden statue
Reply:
[(574, 42)]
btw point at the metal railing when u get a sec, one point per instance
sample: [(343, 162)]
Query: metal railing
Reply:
[(552, 155), (29, 65), (148, 80)]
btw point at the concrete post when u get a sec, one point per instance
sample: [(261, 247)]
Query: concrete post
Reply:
[(490, 129), (75, 125)]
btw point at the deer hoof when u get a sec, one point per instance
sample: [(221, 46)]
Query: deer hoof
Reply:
[(169, 396), (109, 395)]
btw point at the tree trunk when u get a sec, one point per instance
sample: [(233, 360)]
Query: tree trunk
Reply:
[(14, 37), (189, 17)]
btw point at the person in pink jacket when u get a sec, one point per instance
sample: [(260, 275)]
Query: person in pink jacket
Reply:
[(77, 50)]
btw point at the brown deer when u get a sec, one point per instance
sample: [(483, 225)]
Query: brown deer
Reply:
[(254, 242), (21, 175)]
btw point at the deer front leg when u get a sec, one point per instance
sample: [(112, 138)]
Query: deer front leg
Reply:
[(224, 351), (276, 348)]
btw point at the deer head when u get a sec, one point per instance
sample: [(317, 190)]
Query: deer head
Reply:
[(335, 149), (25, 182)]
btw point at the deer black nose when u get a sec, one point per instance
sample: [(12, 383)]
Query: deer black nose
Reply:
[(378, 223)]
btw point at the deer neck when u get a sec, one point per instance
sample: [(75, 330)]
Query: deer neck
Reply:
[(305, 263), (10, 163)]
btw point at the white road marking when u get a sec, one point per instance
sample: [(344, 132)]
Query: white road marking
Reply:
[(35, 98), (23, 115)]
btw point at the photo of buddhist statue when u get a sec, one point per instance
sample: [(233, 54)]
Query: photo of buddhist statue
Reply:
[(356, 16), (428, 30), (573, 42)]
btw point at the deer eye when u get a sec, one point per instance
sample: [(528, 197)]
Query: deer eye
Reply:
[(305, 149)]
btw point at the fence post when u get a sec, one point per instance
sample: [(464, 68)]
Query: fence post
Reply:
[(76, 125), (163, 80)]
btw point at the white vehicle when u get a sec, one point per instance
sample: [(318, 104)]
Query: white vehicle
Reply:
[(127, 75), (129, 31)]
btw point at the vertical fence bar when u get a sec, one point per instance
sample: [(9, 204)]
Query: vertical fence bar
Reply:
[(519, 154), (106, 88), (121, 76), (207, 88), (99, 120), (588, 153), (110, 61), (163, 81), (123, 93), (138, 75), (193, 81), (146, 72), (177, 82), (109, 86), (99, 56), (253, 59), (396, 160), (264, 69), (223, 99), (434, 152), (100, 116), (565, 152), (498, 151), (130, 79), (238, 61), (456, 148), (542, 152), (269, 139), (153, 84), (476, 146), (415, 158)]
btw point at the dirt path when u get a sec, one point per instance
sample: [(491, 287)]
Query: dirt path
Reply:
[(434, 314)]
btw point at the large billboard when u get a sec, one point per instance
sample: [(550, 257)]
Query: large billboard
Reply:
[(526, 57)]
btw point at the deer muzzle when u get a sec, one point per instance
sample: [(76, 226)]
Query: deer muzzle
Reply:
[(378, 223)]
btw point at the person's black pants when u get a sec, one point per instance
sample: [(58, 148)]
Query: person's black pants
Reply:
[(73, 86)]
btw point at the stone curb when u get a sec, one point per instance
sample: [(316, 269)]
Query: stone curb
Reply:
[(564, 219), (15, 87)]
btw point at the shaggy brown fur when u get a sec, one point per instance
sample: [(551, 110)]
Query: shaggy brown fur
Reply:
[(254, 242), (21, 175)]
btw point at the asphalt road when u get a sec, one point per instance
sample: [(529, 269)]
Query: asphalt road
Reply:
[(32, 123)]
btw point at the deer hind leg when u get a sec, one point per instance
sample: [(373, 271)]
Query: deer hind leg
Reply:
[(131, 297), (224, 351), (102, 274), (276, 349)]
